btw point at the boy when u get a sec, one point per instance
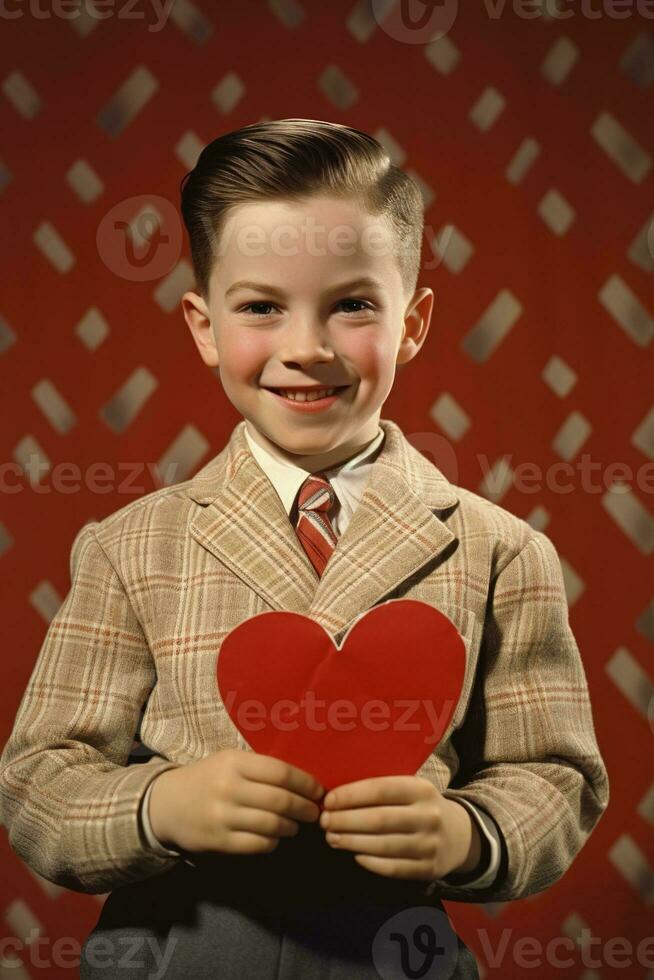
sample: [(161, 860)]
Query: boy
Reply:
[(306, 247)]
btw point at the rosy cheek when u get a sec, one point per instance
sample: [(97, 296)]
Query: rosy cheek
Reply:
[(366, 354), (243, 354)]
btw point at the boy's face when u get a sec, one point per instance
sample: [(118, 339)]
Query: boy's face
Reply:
[(305, 324)]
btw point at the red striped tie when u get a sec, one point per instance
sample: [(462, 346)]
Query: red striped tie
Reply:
[(313, 526)]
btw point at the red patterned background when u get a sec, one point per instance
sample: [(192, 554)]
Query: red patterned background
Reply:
[(529, 127)]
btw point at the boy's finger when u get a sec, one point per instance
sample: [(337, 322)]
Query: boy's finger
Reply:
[(269, 769), (311, 787), (376, 790), (371, 820)]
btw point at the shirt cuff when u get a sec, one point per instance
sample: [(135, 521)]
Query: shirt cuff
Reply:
[(489, 861), (153, 842)]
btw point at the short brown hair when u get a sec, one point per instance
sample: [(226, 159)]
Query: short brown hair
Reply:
[(293, 158)]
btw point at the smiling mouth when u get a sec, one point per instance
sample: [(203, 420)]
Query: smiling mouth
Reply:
[(336, 389)]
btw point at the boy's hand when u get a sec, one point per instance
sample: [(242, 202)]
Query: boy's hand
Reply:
[(401, 827), (233, 800)]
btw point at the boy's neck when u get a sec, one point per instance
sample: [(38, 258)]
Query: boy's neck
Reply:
[(311, 463)]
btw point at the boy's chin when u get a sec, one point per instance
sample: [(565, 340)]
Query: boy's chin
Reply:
[(297, 444), (292, 443)]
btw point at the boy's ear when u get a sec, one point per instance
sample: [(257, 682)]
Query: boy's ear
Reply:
[(417, 318), (196, 314)]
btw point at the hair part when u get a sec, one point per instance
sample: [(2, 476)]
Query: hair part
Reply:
[(292, 159)]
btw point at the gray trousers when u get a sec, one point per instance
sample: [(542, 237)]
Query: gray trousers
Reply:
[(301, 912)]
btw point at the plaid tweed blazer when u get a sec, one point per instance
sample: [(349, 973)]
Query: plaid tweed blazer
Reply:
[(156, 586)]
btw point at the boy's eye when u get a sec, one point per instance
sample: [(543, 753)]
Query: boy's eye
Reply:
[(360, 302), (251, 307), (256, 308)]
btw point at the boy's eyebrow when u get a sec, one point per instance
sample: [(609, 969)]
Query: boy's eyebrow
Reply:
[(366, 281)]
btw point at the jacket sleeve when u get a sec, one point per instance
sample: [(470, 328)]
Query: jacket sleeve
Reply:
[(527, 748), (67, 797)]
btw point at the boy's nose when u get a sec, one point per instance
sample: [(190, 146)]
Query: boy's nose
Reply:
[(304, 342)]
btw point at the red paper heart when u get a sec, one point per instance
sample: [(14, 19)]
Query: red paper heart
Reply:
[(276, 668)]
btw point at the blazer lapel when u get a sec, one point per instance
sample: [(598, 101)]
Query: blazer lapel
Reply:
[(243, 523), (393, 534)]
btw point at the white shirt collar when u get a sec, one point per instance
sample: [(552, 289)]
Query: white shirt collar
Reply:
[(288, 478)]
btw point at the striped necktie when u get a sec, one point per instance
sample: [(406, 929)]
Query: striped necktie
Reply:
[(313, 527)]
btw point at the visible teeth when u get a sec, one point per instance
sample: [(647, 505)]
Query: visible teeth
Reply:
[(303, 396)]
